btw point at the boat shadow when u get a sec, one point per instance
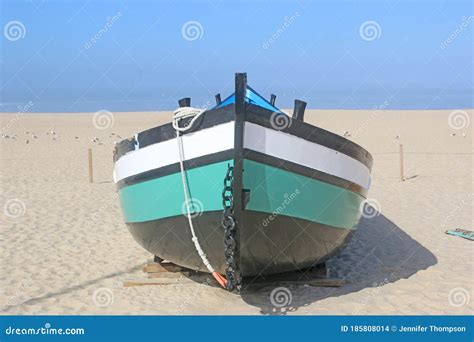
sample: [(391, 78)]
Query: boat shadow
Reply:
[(379, 253)]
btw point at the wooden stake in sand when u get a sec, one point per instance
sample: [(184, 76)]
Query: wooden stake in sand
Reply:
[(91, 174), (402, 175)]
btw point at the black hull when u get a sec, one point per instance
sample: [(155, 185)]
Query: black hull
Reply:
[(287, 244), (333, 171)]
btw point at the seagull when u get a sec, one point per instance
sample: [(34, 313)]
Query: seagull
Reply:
[(397, 137), (463, 135), (346, 134), (27, 141), (453, 134)]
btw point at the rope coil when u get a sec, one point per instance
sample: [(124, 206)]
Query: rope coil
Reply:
[(184, 113)]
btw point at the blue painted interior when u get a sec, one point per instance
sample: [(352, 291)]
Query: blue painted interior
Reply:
[(252, 97)]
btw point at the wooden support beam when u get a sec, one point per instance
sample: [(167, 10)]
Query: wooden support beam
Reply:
[(402, 173), (164, 275), (165, 281), (163, 267)]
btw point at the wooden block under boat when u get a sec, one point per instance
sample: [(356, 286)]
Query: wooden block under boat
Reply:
[(155, 267), (163, 275), (166, 273)]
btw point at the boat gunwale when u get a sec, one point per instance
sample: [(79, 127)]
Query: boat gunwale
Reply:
[(259, 116)]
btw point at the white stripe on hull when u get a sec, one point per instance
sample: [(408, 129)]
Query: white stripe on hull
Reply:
[(257, 138), (207, 141), (303, 152)]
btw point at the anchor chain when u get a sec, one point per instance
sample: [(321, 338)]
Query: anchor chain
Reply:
[(230, 229)]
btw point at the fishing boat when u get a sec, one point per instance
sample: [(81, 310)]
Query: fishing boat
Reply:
[(241, 189)]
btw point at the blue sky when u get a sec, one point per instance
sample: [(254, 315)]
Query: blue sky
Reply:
[(138, 55)]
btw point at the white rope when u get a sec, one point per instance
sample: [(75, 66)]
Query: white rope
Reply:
[(181, 113)]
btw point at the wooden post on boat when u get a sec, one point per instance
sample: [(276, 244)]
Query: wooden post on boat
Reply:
[(91, 173), (240, 92), (402, 175), (185, 102), (298, 111), (272, 99), (218, 99)]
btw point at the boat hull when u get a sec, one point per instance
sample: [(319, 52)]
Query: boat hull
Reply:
[(289, 221), (265, 248), (298, 190)]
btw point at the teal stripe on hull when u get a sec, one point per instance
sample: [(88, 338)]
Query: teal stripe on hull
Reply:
[(279, 192), (272, 190), (163, 197)]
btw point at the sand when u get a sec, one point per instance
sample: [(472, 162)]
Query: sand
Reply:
[(66, 250)]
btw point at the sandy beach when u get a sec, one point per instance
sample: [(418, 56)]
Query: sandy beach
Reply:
[(66, 250)]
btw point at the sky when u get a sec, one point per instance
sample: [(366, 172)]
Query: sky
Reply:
[(85, 56)]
